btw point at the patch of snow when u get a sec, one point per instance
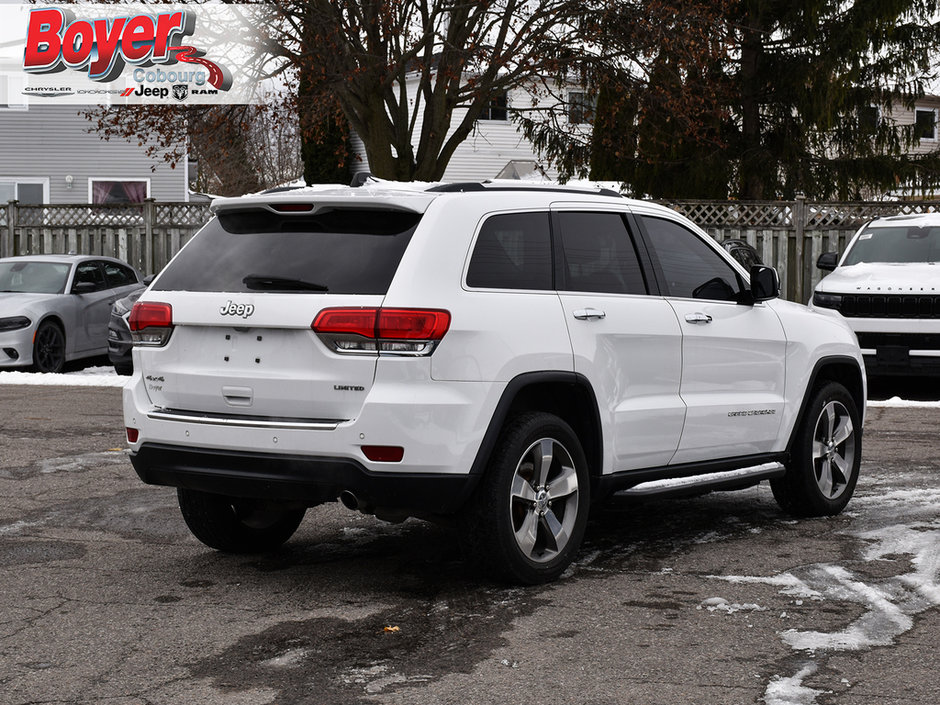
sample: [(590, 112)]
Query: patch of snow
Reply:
[(89, 377), (898, 403), (790, 690), (289, 659), (720, 604), (900, 526), (16, 527), (789, 584), (881, 623)]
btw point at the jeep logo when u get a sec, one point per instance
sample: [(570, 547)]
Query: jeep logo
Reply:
[(233, 309)]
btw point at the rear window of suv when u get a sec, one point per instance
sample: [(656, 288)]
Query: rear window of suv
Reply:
[(336, 251)]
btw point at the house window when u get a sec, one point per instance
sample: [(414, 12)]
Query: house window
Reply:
[(869, 117), (26, 191), (580, 108), (118, 190), (497, 108), (925, 123)]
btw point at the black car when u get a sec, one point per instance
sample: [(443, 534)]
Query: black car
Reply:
[(119, 334), (742, 252)]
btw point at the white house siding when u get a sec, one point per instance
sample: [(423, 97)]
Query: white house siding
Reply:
[(490, 146), (51, 142), (902, 115)]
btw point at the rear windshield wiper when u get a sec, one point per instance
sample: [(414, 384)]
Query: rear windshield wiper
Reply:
[(265, 283)]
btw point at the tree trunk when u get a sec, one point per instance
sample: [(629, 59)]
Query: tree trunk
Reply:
[(754, 160)]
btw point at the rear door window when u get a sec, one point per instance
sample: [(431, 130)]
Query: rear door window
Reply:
[(513, 251), (118, 275), (335, 251), (599, 254)]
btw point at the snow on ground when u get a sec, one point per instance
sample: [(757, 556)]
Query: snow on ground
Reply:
[(89, 377), (898, 403), (897, 523)]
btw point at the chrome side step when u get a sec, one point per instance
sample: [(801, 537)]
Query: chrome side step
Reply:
[(712, 482)]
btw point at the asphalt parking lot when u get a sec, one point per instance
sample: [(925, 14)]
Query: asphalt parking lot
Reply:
[(720, 599)]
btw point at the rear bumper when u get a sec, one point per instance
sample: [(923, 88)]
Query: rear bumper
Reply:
[(310, 480)]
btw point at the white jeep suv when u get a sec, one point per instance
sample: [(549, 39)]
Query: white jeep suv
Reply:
[(887, 289), (502, 356)]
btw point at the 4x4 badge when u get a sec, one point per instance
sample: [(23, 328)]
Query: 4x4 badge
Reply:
[(233, 309)]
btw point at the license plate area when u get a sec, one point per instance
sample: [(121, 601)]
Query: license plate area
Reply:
[(893, 355)]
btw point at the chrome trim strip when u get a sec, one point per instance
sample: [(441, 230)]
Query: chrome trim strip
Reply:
[(245, 422)]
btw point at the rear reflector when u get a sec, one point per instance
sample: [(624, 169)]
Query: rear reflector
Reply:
[(132, 434), (384, 454)]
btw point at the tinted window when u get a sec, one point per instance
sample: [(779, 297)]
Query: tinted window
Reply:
[(340, 251), (692, 269), (119, 275), (745, 256), (897, 244), (89, 273), (513, 251), (599, 254)]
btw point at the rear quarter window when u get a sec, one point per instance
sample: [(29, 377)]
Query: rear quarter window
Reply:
[(336, 251), (513, 251)]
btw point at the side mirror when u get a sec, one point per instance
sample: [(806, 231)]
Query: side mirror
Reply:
[(828, 261), (84, 287), (765, 284)]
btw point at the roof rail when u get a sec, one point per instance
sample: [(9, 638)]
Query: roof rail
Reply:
[(462, 187), (458, 187), (281, 189)]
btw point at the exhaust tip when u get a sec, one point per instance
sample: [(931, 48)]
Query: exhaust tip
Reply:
[(349, 500)]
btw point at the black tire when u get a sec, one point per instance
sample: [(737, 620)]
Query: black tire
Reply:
[(826, 454), (49, 348), (124, 369), (523, 524), (236, 525)]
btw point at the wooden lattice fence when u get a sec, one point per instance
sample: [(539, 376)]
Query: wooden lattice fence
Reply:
[(789, 235), (146, 235)]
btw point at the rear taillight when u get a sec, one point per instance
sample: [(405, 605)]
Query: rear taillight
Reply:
[(151, 323), (390, 331)]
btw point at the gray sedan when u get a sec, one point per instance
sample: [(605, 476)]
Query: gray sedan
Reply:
[(55, 308)]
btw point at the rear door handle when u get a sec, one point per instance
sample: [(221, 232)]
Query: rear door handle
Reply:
[(587, 314), (698, 318)]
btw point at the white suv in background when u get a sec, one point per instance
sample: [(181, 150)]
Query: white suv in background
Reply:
[(500, 355), (887, 288)]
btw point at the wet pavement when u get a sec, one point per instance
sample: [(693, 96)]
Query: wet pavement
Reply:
[(105, 597)]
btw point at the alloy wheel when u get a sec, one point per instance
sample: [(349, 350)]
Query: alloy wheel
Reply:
[(544, 500)]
